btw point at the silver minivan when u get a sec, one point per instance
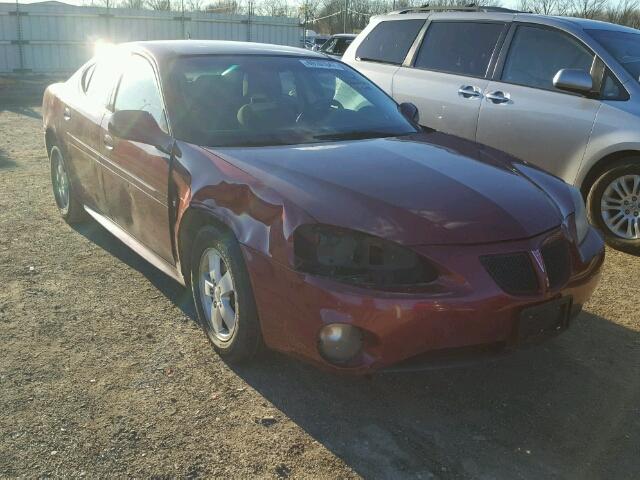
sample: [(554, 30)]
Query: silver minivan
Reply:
[(561, 93)]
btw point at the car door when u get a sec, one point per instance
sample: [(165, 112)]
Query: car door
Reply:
[(523, 114), (82, 118), (449, 73), (136, 177), (384, 49)]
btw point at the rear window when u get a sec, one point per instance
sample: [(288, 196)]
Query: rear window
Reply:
[(389, 42), (463, 48)]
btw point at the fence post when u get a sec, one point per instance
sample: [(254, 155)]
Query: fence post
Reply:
[(249, 20), (20, 40)]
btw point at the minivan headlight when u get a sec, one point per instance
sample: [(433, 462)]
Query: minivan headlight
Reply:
[(580, 215), (358, 258)]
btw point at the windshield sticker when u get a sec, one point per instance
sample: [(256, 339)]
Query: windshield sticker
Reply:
[(327, 64)]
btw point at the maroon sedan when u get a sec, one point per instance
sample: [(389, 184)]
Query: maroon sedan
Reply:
[(308, 212)]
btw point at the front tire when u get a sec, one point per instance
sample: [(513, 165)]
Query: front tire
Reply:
[(223, 296), (70, 208), (613, 204)]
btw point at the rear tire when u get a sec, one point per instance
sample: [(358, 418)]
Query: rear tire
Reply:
[(223, 295), (71, 210), (613, 205)]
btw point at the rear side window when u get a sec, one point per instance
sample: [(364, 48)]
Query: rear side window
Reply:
[(86, 77), (463, 48), (536, 54), (389, 41), (102, 81)]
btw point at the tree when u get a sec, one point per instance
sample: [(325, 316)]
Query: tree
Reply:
[(625, 13), (588, 8), (159, 4), (543, 7), (135, 4)]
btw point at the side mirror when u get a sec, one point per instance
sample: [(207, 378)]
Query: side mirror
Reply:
[(139, 126), (573, 80), (410, 112)]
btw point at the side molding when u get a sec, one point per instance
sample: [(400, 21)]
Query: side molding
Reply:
[(137, 247)]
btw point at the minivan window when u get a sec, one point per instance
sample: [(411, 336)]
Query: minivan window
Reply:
[(389, 42), (464, 48), (624, 46), (138, 90), (537, 54)]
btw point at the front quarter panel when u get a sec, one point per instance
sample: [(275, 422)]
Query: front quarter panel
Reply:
[(259, 217), (616, 130)]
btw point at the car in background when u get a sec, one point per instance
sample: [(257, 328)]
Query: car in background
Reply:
[(308, 212), (337, 44), (561, 93), (318, 41)]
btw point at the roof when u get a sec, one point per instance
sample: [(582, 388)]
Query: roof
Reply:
[(344, 35), (470, 13), (174, 48), (588, 24)]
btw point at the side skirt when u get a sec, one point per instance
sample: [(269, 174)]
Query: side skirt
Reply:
[(155, 260)]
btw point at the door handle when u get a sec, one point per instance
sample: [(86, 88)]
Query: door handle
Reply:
[(66, 114), (108, 142), (469, 91), (498, 97)]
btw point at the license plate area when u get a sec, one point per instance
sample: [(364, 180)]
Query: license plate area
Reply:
[(542, 321)]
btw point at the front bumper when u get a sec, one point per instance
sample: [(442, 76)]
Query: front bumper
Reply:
[(466, 308)]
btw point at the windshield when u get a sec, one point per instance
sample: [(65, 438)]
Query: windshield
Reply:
[(274, 100), (624, 46)]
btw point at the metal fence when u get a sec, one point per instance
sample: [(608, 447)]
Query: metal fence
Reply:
[(56, 39)]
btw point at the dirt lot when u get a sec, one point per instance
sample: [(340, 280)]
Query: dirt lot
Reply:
[(104, 373)]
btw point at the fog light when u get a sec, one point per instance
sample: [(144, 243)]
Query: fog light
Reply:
[(340, 342)]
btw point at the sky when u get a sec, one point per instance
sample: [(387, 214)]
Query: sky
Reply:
[(504, 3)]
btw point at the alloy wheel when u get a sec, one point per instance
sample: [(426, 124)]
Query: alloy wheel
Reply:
[(217, 294), (620, 207)]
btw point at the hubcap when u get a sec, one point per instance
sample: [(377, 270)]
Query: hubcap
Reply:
[(60, 180), (620, 207), (218, 294)]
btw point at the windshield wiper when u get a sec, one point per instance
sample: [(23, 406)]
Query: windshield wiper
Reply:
[(355, 135)]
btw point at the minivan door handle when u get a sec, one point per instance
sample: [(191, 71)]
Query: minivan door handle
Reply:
[(498, 97), (469, 91)]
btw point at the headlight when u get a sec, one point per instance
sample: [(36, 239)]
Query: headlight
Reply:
[(358, 258), (580, 215)]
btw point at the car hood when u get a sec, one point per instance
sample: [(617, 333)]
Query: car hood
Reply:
[(423, 189)]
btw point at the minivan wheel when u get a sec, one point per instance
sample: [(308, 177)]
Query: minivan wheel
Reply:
[(613, 204), (223, 296), (68, 205)]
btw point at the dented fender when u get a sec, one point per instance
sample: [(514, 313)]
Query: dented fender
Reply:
[(259, 217)]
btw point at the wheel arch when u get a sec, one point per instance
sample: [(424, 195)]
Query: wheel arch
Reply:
[(50, 139), (194, 218), (601, 166)]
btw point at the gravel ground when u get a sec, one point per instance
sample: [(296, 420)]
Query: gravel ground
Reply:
[(104, 373)]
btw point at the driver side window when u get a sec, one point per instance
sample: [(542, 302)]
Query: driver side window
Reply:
[(537, 54), (138, 90)]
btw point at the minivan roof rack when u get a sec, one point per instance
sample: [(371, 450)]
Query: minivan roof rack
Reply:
[(472, 7)]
